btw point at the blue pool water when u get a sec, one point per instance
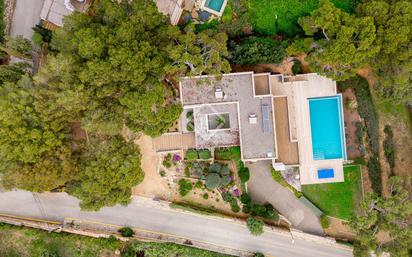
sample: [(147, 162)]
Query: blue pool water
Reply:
[(326, 173), (214, 4), (326, 122)]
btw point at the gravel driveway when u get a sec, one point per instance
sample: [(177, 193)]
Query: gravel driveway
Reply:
[(262, 188)]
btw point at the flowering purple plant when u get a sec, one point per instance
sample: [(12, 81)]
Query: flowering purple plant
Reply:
[(236, 192), (177, 158)]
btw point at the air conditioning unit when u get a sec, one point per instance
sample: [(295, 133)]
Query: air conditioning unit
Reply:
[(252, 119), (218, 93)]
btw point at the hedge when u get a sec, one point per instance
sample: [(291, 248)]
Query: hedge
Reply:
[(367, 112)]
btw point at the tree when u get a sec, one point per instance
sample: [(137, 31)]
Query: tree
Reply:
[(12, 72), (196, 54), (391, 214), (345, 44), (60, 96), (53, 171), (393, 64), (255, 50), (255, 226), (122, 56), (108, 169), (24, 137)]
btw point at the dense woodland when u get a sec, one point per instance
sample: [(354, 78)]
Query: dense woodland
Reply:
[(116, 67)]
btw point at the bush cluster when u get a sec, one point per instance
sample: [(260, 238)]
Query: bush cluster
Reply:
[(185, 186), (218, 175), (193, 154), (324, 221), (367, 112), (255, 226), (255, 50), (229, 198), (388, 147), (244, 174)]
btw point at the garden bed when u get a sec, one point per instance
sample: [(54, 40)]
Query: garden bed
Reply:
[(337, 199)]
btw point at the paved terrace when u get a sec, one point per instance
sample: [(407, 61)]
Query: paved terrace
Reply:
[(237, 88), (297, 91)]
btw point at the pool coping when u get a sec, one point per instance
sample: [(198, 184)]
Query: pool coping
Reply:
[(341, 123), (222, 9)]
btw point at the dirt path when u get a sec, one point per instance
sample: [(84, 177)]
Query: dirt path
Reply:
[(153, 185)]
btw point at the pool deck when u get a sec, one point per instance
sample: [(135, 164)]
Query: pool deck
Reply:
[(297, 90)]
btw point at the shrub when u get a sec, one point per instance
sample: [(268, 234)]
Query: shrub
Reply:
[(187, 171), (189, 115), (215, 168), (246, 208), (255, 50), (228, 197), (225, 171), (258, 255), (190, 127), (191, 154), (205, 196), (225, 181), (245, 198), (126, 232), (324, 221), (213, 181), (360, 134), (204, 154), (297, 67), (388, 147), (258, 210), (162, 173), (37, 38), (167, 164), (223, 154), (271, 213), (244, 174), (235, 207), (374, 173), (198, 185), (184, 187), (255, 226)]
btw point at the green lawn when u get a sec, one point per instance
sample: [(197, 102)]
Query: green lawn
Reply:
[(27, 242), (337, 199), (269, 17)]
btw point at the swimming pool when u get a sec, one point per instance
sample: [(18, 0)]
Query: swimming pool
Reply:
[(215, 5), (326, 122)]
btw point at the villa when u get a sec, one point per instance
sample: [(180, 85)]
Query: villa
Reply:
[(291, 120)]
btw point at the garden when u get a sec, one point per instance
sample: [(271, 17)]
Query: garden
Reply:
[(212, 182), (338, 199)]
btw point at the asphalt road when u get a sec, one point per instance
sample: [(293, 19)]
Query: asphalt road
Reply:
[(26, 16), (146, 215)]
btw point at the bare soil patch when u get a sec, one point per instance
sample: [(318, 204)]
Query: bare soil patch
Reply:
[(338, 229), (284, 68), (152, 185), (351, 115)]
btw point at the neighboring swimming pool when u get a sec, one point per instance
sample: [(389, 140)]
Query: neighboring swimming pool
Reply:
[(215, 5), (326, 122)]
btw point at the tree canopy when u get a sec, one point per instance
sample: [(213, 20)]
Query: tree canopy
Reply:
[(108, 169), (106, 70), (391, 214), (343, 44), (393, 63)]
